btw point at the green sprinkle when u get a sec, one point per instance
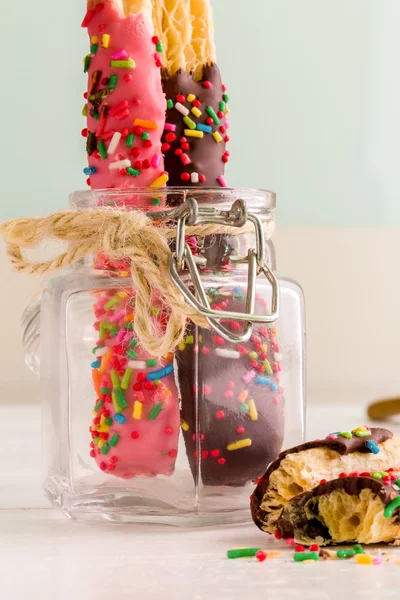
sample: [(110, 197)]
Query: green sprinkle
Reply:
[(131, 354), (212, 291), (397, 482), (391, 507), (129, 326), (155, 411), (358, 549), (222, 106), (191, 124), (242, 552), (102, 150), (117, 407), (105, 448), (121, 398), (244, 407), (129, 140), (212, 114), (84, 110), (345, 553), (112, 84), (151, 362), (189, 339), (115, 379), (346, 434), (159, 46), (302, 556), (267, 367), (96, 440), (362, 433), (94, 48), (114, 332), (114, 440), (145, 136), (87, 62), (126, 378), (105, 390), (97, 348), (170, 104), (132, 172), (376, 475), (108, 421), (225, 97), (113, 302), (102, 330), (155, 201), (123, 64), (133, 342), (98, 406)]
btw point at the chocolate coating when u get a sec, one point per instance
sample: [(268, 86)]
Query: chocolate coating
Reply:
[(298, 521), (217, 412), (341, 445), (205, 153)]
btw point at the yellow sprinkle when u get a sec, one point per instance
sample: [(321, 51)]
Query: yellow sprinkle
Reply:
[(100, 443), (360, 428), (123, 273), (227, 111), (217, 136), (190, 97), (137, 410), (239, 444), (196, 112), (160, 180), (104, 362), (264, 347), (184, 425), (274, 554), (193, 133), (122, 294), (252, 410), (84, 110), (364, 559), (243, 396), (145, 124), (95, 39), (103, 428), (105, 40), (94, 413), (181, 346)]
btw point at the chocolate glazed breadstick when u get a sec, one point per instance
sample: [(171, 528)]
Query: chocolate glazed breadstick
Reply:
[(195, 136)]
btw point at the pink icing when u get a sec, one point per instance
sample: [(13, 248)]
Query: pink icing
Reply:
[(138, 97)]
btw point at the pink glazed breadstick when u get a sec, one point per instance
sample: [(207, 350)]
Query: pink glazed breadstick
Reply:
[(136, 419), (125, 106)]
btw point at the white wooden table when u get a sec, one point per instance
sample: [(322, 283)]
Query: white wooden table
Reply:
[(44, 555)]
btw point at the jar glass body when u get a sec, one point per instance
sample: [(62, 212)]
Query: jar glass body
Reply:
[(180, 439)]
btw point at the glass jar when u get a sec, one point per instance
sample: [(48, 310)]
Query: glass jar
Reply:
[(181, 439)]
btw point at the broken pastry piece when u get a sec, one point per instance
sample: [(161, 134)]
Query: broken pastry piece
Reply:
[(363, 509), (304, 467)]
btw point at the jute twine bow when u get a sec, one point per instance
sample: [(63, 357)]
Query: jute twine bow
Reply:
[(119, 235)]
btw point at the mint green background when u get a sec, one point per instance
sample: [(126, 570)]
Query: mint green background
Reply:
[(315, 101)]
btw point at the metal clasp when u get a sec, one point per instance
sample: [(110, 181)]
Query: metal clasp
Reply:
[(237, 216)]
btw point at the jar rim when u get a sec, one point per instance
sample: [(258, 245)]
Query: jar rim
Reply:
[(258, 200)]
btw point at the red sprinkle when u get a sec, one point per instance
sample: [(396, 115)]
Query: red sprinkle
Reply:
[(137, 387), (204, 453), (185, 176), (196, 103), (220, 114), (103, 466), (155, 39), (277, 535), (168, 431), (178, 152), (207, 84), (147, 143), (87, 18), (240, 430), (220, 414), (341, 475), (146, 164), (209, 121), (322, 481), (185, 146), (84, 132), (202, 178), (180, 98), (135, 435), (165, 147), (127, 77), (172, 453), (261, 555), (215, 453), (92, 453), (123, 171), (314, 548), (299, 549), (124, 132), (221, 461), (138, 164), (101, 27), (183, 140), (170, 137), (141, 377), (365, 474)]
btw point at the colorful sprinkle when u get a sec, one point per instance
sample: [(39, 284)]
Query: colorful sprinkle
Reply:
[(155, 411), (193, 133), (242, 552), (239, 444), (123, 64)]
